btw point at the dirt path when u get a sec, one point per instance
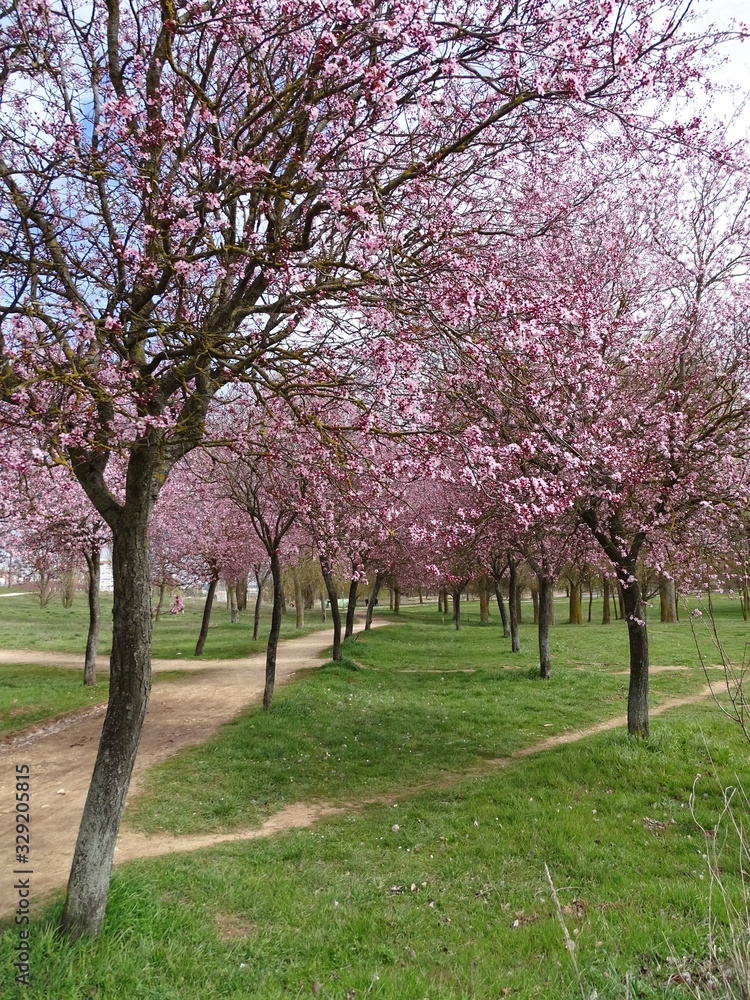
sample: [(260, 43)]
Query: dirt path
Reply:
[(61, 755)]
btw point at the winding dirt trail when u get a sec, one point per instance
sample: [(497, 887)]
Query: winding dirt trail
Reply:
[(61, 755)]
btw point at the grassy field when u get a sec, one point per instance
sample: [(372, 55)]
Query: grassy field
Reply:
[(32, 693), (23, 625), (431, 881)]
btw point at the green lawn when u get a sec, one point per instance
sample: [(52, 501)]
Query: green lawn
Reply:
[(436, 888), (413, 712), (451, 905), (23, 625), (31, 693)]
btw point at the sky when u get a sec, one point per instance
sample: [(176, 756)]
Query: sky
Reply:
[(737, 70)]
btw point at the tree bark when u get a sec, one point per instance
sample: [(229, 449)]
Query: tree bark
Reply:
[(421, 599), (574, 604), (234, 611), (441, 609), (351, 607), (484, 605), (605, 602), (457, 609), (207, 613), (162, 591), (333, 596), (591, 599), (273, 638), (44, 585), (622, 600), (513, 603), (638, 638), (323, 606), (258, 602), (299, 601), (129, 688), (545, 620), (501, 608), (371, 603), (666, 599), (242, 593), (535, 603), (396, 600), (93, 561)]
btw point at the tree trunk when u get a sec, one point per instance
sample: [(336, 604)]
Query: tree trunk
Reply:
[(545, 620), (45, 589), (501, 608), (351, 607), (396, 601), (666, 599), (93, 561), (457, 609), (591, 599), (421, 599), (299, 601), (67, 587), (333, 596), (162, 591), (373, 600), (273, 638), (638, 638), (605, 602), (622, 600), (234, 611), (323, 606), (574, 605), (390, 598), (258, 602), (441, 609), (513, 603), (745, 601), (535, 603), (129, 688), (676, 606), (484, 606), (207, 614), (242, 593)]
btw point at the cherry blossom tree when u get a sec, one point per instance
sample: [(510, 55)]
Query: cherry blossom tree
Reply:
[(190, 191)]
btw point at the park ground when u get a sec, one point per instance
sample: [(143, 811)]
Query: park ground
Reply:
[(450, 776)]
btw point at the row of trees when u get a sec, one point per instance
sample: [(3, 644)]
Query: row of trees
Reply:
[(419, 278)]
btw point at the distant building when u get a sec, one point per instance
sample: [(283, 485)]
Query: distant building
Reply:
[(106, 580)]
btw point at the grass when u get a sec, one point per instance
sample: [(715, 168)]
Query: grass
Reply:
[(342, 732), (29, 694), (437, 887), (451, 905), (596, 645), (23, 625)]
